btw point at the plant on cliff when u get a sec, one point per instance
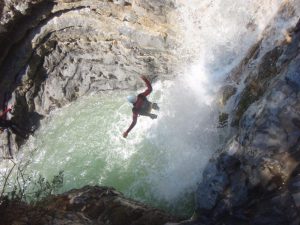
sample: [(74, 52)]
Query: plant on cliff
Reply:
[(18, 183)]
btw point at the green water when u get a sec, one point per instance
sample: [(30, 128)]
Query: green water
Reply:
[(85, 140), (160, 163)]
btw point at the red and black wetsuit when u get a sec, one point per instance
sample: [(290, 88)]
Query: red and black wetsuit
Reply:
[(142, 106)]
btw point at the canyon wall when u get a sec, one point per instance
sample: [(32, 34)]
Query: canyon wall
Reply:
[(53, 52), (254, 179)]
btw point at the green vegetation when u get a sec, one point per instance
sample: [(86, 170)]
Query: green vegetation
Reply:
[(20, 184)]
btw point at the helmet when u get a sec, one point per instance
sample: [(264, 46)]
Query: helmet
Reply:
[(131, 98)]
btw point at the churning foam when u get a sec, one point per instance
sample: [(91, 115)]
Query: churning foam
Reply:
[(216, 35)]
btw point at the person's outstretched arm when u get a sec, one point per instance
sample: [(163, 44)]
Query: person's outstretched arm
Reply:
[(149, 87), (134, 119)]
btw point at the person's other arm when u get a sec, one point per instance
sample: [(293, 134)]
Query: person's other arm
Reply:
[(148, 84), (134, 120)]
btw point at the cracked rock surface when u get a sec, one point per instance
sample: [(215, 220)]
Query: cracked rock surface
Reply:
[(254, 179), (53, 52), (88, 205)]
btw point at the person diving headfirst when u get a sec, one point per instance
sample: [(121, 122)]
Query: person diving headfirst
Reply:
[(141, 106)]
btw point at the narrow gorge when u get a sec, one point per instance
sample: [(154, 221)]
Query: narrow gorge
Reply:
[(225, 146)]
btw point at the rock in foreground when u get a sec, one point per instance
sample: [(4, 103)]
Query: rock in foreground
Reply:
[(88, 205)]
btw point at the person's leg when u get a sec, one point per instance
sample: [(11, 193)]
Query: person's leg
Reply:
[(155, 106), (148, 112), (152, 116)]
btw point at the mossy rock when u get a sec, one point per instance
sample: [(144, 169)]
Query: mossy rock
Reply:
[(223, 119), (227, 92), (248, 96), (257, 83)]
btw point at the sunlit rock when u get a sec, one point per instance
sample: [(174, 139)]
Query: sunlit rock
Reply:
[(54, 52)]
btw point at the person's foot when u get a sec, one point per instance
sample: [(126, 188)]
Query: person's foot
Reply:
[(153, 116), (155, 106)]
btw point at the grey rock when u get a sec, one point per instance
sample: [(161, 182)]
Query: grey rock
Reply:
[(88, 205), (255, 176), (66, 49), (211, 188)]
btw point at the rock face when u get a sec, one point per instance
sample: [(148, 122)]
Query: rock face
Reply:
[(53, 52), (89, 205), (254, 179)]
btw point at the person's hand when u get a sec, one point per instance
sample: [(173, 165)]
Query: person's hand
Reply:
[(125, 134)]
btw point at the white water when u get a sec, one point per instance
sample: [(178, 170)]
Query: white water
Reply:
[(162, 160)]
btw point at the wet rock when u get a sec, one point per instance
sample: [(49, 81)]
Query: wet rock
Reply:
[(88, 205), (223, 119), (213, 186), (257, 83), (260, 163), (227, 91)]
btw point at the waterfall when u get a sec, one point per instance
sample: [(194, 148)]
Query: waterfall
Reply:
[(162, 160)]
